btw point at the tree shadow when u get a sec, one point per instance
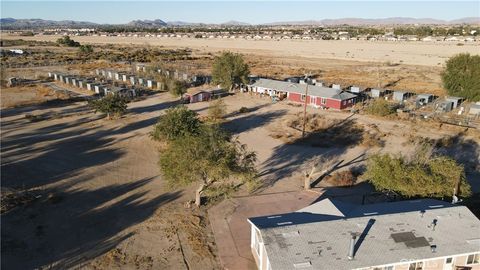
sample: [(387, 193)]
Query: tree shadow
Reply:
[(155, 107), (75, 226), (339, 165), (327, 144), (51, 153), (465, 151), (251, 121)]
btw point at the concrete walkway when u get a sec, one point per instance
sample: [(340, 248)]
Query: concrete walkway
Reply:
[(232, 230)]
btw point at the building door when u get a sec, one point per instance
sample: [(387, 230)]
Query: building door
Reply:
[(448, 264)]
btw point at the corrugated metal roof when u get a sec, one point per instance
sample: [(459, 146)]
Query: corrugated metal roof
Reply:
[(313, 90), (322, 236)]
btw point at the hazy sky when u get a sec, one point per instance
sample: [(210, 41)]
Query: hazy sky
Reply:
[(222, 11)]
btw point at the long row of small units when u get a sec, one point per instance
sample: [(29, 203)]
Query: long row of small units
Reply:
[(92, 85), (334, 97), (134, 80)]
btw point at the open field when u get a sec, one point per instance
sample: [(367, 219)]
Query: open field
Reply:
[(102, 202), (413, 53)]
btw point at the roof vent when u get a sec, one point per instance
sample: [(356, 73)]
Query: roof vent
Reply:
[(433, 248), (302, 265)]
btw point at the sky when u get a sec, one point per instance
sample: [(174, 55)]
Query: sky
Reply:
[(255, 12)]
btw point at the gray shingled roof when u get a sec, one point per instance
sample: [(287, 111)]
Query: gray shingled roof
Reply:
[(318, 236), (313, 90)]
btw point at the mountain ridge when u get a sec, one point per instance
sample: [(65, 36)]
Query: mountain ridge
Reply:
[(37, 23)]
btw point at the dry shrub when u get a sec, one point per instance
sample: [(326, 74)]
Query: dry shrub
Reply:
[(342, 179), (11, 198), (314, 122), (370, 139)]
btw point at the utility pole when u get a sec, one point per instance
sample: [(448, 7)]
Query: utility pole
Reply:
[(305, 105)]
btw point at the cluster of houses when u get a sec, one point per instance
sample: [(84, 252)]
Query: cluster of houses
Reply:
[(272, 35), (316, 94), (93, 85)]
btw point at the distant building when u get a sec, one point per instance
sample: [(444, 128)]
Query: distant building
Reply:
[(406, 235)]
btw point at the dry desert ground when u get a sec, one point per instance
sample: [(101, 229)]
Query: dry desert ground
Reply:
[(101, 200), (412, 53)]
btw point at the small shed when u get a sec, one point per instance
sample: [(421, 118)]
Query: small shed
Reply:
[(150, 83), (456, 101), (376, 93), (474, 109), (336, 86), (356, 89), (110, 74), (399, 95), (121, 91), (133, 80), (424, 98), (125, 77), (142, 81), (55, 76), (444, 106), (81, 84), (68, 80), (99, 89), (117, 76), (91, 86), (196, 95)]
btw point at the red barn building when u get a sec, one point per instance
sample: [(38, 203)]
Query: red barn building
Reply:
[(197, 95), (318, 96)]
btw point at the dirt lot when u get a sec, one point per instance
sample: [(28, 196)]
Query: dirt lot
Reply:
[(99, 200)]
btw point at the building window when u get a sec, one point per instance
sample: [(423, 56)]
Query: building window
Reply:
[(416, 266), (473, 258), (323, 101), (303, 98)]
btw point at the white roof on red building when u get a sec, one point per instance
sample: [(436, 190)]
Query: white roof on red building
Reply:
[(313, 90)]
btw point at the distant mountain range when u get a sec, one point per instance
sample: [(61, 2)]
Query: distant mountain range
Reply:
[(386, 21), (11, 23)]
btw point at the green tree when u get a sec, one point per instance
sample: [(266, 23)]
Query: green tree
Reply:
[(176, 88), (111, 105), (67, 41), (461, 76), (85, 49), (217, 110), (229, 69), (423, 175), (206, 158), (177, 122)]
